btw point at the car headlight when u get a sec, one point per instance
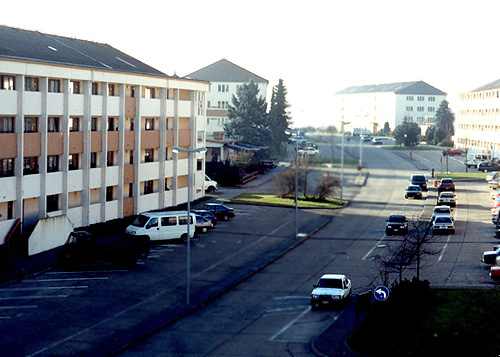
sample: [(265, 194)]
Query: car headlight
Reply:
[(314, 296), (335, 297), (389, 226)]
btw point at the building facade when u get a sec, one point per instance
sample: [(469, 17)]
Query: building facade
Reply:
[(477, 124), (371, 106), (225, 78), (88, 131)]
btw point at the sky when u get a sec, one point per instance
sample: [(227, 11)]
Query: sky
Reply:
[(317, 47)]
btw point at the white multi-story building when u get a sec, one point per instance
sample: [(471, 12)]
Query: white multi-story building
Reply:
[(87, 131), (371, 106), (477, 124), (225, 78)]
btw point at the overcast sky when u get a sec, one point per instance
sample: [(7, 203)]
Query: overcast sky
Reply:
[(317, 47)]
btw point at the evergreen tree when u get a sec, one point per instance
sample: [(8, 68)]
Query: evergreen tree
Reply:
[(387, 129), (430, 134), (407, 133), (444, 123), (279, 119), (249, 121)]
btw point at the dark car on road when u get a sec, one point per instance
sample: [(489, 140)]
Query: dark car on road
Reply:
[(487, 166), (206, 214), (419, 180), (490, 257), (83, 248), (221, 211), (446, 184), (414, 191), (396, 224)]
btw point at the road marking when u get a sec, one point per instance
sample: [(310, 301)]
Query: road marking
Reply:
[(5, 317), (87, 271), (373, 248), (291, 297), (15, 307), (34, 297), (65, 279), (288, 325), (153, 256), (444, 248), (284, 309), (46, 288)]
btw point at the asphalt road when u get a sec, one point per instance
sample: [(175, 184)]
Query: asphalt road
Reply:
[(269, 314)]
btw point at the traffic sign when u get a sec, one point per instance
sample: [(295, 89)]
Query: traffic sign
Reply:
[(381, 293)]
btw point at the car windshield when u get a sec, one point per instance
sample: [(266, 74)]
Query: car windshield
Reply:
[(418, 179), (443, 220), (397, 219), (140, 221), (441, 210), (330, 283), (447, 194), (413, 188), (446, 181)]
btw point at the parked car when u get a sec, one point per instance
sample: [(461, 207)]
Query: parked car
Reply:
[(414, 191), (210, 185), (163, 225), (490, 257), (222, 212), (441, 211), (447, 198), (454, 152), (203, 224), (85, 248), (443, 224), (495, 272), (396, 224), (366, 138), (487, 166), (207, 214), (446, 184), (419, 180), (330, 289), (268, 164), (309, 150), (377, 141)]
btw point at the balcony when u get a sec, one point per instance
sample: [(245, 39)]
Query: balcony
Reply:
[(76, 104), (149, 171), (32, 104), (128, 206), (32, 144), (128, 173), (55, 104), (184, 137), (8, 98), (113, 141), (150, 139), (184, 108), (130, 107), (150, 107), (96, 104), (129, 140), (95, 141), (113, 106), (75, 142), (7, 189), (9, 145)]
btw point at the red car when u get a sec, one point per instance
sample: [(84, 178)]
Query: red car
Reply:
[(454, 152), (495, 273), (446, 184)]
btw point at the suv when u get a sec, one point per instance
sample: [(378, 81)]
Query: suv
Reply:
[(330, 289), (446, 184), (443, 224), (487, 166), (396, 223), (419, 180)]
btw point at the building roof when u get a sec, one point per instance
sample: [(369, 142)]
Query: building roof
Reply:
[(492, 85), (40, 47), (416, 87), (225, 71)]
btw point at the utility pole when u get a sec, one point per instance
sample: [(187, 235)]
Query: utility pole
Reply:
[(296, 188), (342, 159)]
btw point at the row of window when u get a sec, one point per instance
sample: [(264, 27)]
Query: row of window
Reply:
[(420, 109), (480, 111), (420, 98), (221, 104), (482, 95), (481, 127)]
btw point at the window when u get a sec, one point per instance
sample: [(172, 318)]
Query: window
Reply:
[(30, 165), (31, 84), (420, 109), (95, 88), (149, 155), (430, 109), (420, 98), (110, 158), (168, 184), (131, 189), (208, 104), (200, 136), (8, 82), (52, 203), (30, 124), (109, 193), (148, 187), (111, 124), (409, 109), (54, 86), (131, 157), (153, 222), (53, 124), (131, 124), (431, 99), (74, 124), (94, 124), (10, 209), (6, 167), (75, 87), (150, 124), (409, 97), (111, 89), (52, 163), (183, 220), (7, 124), (73, 162), (168, 221), (199, 164), (93, 160), (131, 91)]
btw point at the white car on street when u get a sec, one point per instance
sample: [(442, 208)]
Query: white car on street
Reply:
[(447, 198), (443, 224), (330, 289), (441, 211)]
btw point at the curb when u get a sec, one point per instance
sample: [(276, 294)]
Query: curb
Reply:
[(238, 202)]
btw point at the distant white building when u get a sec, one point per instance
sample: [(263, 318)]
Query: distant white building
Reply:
[(370, 106), (225, 77)]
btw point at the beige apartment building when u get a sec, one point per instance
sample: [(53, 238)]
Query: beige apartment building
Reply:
[(88, 131), (477, 126)]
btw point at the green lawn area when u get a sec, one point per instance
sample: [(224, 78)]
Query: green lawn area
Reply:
[(415, 148), (265, 199), (317, 160), (463, 176)]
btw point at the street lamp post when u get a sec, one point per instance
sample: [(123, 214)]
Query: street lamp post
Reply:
[(296, 188), (342, 159), (190, 151)]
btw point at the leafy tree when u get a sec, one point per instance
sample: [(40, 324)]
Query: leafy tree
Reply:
[(444, 123), (407, 133), (387, 129), (279, 119), (430, 134), (249, 121)]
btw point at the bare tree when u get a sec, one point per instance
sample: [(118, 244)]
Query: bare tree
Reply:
[(327, 186)]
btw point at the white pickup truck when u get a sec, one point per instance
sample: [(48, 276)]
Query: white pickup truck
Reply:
[(210, 185)]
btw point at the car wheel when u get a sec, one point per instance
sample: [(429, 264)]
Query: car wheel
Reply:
[(184, 237), (210, 189)]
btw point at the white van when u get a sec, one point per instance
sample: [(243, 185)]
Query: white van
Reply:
[(210, 185), (163, 225)]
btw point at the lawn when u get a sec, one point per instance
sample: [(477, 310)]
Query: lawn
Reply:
[(422, 147), (265, 199), (463, 176)]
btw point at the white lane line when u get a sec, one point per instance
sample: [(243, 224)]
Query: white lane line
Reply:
[(65, 279), (284, 309), (444, 248), (153, 256), (5, 317), (291, 297), (45, 288), (16, 307), (288, 325), (29, 297), (373, 248), (86, 271)]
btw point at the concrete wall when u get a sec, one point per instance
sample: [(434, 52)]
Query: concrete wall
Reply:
[(49, 233)]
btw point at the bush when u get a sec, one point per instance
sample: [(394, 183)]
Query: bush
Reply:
[(327, 186)]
